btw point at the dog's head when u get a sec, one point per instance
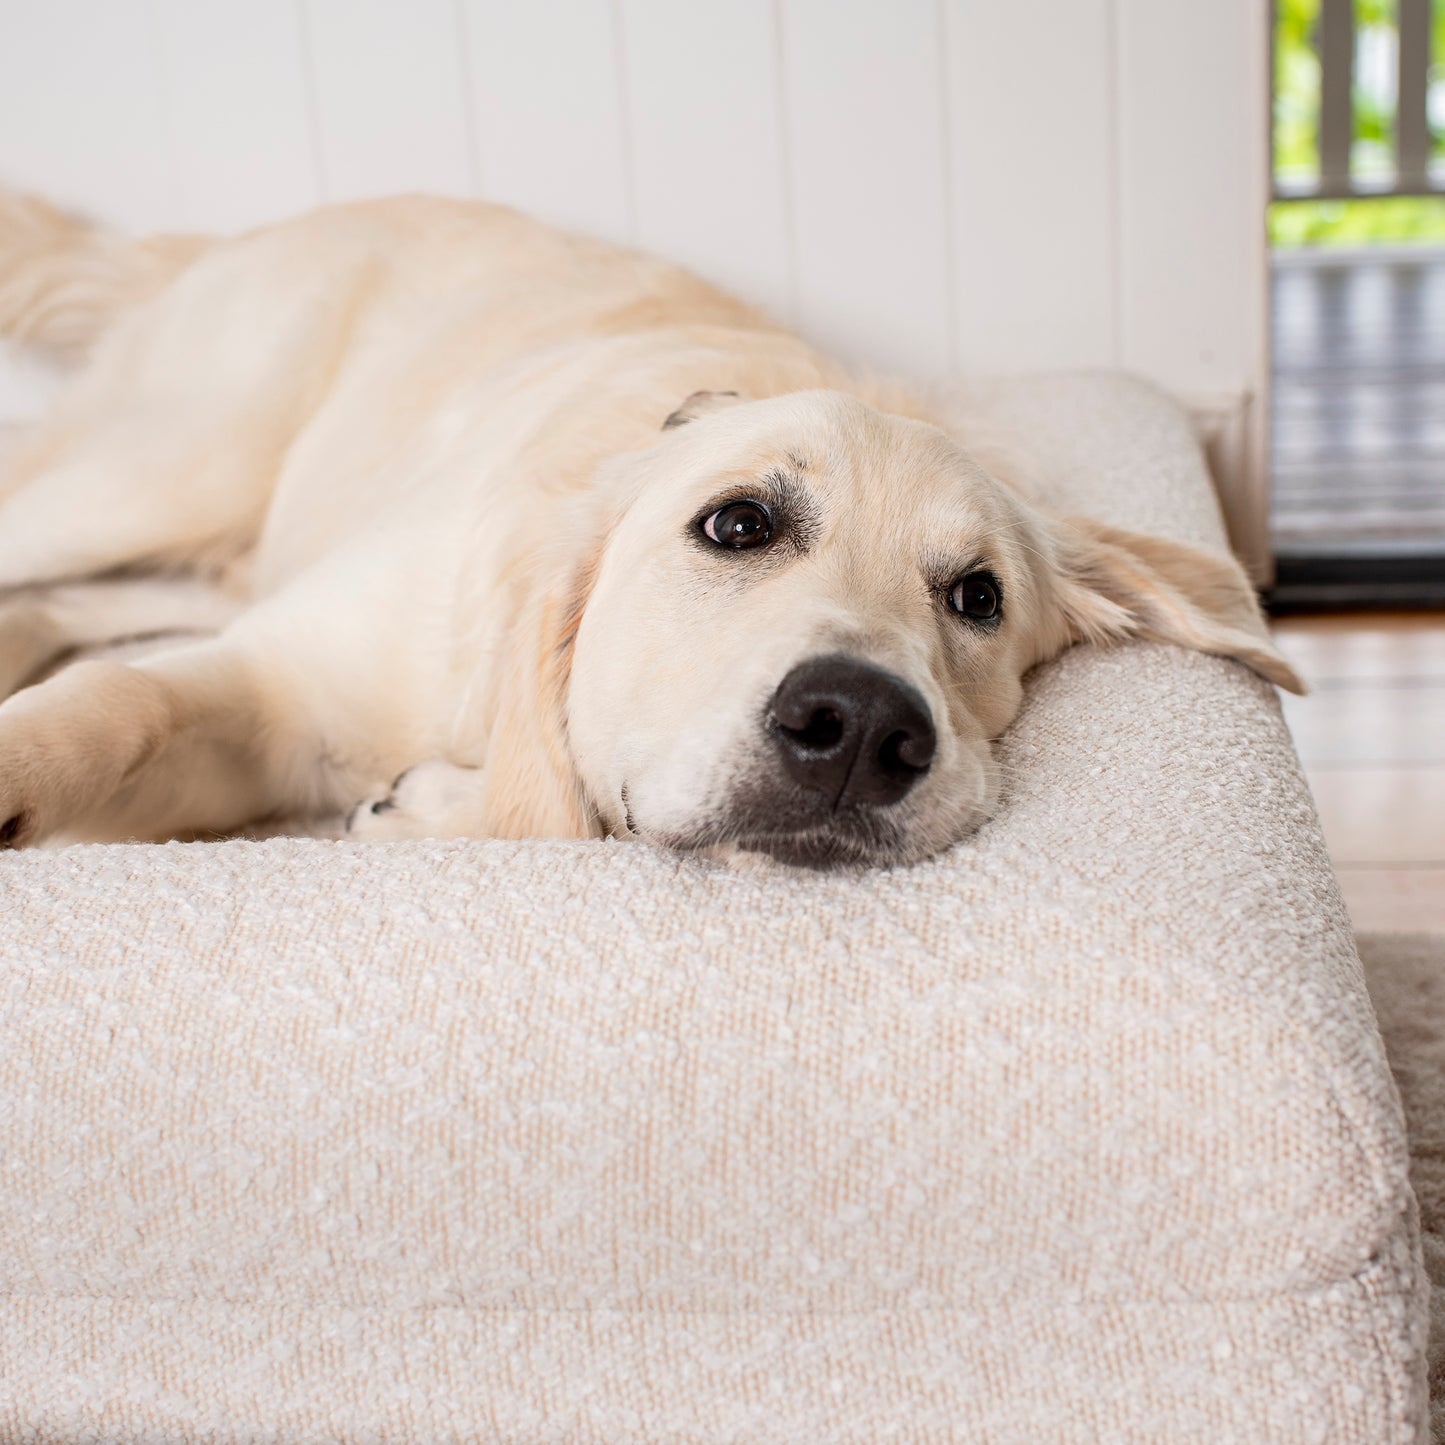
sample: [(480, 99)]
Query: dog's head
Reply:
[(809, 618)]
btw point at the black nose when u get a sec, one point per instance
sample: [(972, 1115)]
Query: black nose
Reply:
[(852, 730)]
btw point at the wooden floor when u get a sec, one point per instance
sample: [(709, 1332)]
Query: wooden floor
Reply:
[(1371, 735), (1358, 401)]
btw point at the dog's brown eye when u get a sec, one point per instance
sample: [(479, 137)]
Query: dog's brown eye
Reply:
[(739, 525), (975, 596)]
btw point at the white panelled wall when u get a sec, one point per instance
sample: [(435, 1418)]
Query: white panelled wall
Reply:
[(926, 186)]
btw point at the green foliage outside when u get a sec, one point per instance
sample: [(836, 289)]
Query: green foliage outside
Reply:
[(1296, 88), (1296, 138), (1390, 219)]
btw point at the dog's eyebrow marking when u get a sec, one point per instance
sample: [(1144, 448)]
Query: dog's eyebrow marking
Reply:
[(798, 464), (784, 493), (942, 569), (796, 505), (787, 488)]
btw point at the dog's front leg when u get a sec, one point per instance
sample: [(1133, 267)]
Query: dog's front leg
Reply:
[(435, 799), (190, 741)]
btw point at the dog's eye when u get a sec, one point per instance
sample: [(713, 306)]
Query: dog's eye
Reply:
[(739, 525), (975, 596)]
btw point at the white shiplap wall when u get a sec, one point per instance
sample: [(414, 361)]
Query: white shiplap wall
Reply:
[(925, 185)]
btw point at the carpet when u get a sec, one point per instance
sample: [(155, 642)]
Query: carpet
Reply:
[(1406, 975)]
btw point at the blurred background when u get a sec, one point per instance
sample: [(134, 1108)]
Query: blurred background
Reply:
[(1357, 423), (1241, 201), (1357, 229)]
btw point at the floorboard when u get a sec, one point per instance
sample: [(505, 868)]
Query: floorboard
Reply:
[(1371, 736)]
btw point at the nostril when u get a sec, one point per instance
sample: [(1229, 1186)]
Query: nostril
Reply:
[(906, 752), (917, 746), (823, 729)]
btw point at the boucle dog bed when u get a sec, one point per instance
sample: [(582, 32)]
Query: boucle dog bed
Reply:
[(1081, 1132)]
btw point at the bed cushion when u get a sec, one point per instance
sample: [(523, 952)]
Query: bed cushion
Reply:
[(1080, 1132)]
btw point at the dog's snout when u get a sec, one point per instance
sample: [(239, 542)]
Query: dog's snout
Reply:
[(852, 731)]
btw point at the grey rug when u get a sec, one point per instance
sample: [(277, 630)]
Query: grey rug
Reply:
[(1406, 975)]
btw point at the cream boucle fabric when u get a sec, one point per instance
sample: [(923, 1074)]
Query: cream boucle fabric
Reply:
[(1083, 1132)]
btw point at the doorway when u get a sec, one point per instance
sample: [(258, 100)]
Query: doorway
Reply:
[(1357, 306)]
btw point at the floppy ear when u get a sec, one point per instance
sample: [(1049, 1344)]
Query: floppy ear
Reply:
[(532, 789), (1114, 584), (699, 404)]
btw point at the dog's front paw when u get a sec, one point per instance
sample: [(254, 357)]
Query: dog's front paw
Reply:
[(432, 800)]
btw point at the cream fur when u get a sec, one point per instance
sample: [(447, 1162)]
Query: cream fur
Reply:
[(417, 448)]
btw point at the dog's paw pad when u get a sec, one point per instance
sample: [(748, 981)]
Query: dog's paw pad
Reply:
[(373, 806), (386, 804)]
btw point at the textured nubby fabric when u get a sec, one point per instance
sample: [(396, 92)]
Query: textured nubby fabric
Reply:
[(1080, 1133)]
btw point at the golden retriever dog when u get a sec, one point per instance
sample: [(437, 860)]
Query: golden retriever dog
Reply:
[(472, 528)]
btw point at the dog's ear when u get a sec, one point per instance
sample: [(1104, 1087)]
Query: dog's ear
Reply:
[(699, 404), (532, 787), (1114, 584)]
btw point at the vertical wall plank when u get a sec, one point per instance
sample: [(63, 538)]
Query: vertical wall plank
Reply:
[(550, 113), (1193, 184), (707, 146), (1029, 96), (235, 85), (864, 111), (82, 111), (1193, 169), (388, 94)]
